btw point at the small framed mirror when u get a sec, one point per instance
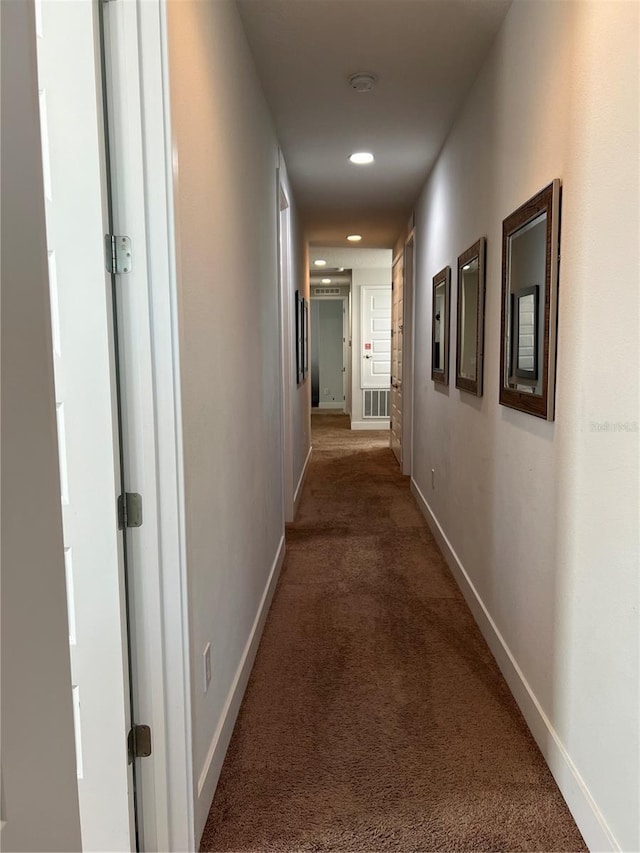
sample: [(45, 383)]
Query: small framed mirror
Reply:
[(470, 325), (530, 253), (440, 327), (299, 338)]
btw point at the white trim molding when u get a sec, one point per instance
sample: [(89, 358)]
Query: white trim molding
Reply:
[(301, 482), (331, 406), (383, 423), (140, 137), (212, 766), (581, 803)]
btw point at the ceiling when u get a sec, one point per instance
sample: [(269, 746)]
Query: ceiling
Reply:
[(425, 53), (342, 261)]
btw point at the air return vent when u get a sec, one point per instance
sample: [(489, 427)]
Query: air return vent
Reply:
[(375, 403), (327, 291)]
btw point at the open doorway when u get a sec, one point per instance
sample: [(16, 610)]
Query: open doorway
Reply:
[(329, 335)]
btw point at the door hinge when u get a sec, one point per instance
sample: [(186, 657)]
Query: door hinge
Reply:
[(118, 253), (139, 742), (129, 510)]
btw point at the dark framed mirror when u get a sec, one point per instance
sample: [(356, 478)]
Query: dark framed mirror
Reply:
[(299, 316), (530, 258), (440, 327), (305, 337), (470, 319)]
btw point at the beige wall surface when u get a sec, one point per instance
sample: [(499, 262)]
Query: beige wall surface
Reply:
[(544, 516), (39, 784), (226, 159)]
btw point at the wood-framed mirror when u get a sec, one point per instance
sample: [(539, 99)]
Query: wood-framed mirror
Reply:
[(440, 326), (299, 318), (530, 258), (470, 319)]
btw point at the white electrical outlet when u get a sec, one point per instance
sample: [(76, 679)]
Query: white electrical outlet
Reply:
[(433, 478), (206, 660)]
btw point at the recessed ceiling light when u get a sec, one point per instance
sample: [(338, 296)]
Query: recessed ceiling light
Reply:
[(340, 269), (362, 158), (320, 263), (355, 238), (326, 281), (466, 267)]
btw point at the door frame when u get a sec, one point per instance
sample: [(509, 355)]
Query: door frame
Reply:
[(408, 350), (346, 353), (345, 300), (140, 137), (285, 295)]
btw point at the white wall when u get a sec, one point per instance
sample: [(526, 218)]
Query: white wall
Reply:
[(360, 278), (39, 785), (226, 157), (543, 517)]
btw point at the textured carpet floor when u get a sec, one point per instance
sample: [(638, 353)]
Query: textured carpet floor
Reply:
[(376, 718)]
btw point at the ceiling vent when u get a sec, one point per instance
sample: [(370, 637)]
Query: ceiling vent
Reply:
[(363, 81), (328, 291)]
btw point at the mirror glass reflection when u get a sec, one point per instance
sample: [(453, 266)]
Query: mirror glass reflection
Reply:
[(469, 320), (525, 307), (441, 284), (439, 326)]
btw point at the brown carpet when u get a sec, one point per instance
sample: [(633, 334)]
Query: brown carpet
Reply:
[(376, 718)]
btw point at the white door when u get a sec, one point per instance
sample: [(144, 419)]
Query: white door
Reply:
[(86, 402), (397, 330), (376, 337)]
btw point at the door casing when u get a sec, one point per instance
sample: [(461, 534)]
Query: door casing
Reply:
[(87, 402), (140, 138)]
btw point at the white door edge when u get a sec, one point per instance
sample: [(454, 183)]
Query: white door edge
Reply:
[(408, 353), (285, 296), (138, 93)]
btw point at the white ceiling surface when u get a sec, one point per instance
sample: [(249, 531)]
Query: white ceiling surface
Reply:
[(348, 259), (426, 54)]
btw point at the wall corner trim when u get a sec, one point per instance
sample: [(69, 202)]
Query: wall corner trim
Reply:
[(573, 788), (301, 482), (210, 773)]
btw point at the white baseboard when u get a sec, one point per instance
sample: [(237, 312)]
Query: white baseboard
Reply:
[(382, 423), (210, 774), (582, 806), (331, 406), (301, 481)]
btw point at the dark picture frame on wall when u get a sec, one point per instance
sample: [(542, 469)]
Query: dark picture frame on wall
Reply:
[(440, 326), (530, 269), (470, 318), (305, 338), (299, 315)]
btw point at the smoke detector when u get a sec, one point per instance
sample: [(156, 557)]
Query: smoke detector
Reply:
[(363, 81)]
